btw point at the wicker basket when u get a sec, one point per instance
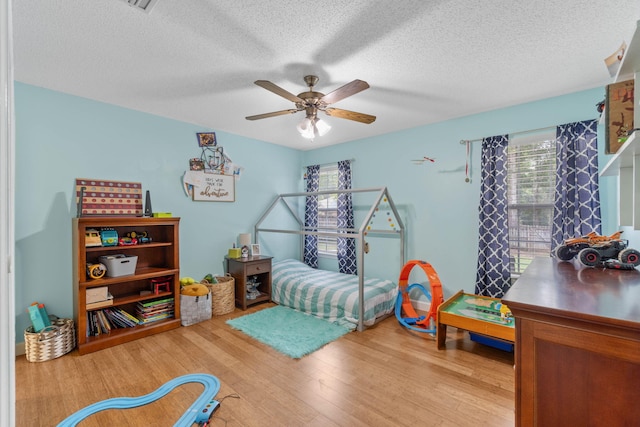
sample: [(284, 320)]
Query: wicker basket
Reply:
[(223, 295), (53, 341)]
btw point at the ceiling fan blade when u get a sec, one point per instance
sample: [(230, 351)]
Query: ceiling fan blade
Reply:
[(350, 115), (278, 90), (344, 91), (273, 114)]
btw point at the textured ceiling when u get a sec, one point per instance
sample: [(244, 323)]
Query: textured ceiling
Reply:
[(426, 61)]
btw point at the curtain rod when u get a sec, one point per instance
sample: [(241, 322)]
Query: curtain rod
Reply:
[(329, 163), (464, 141)]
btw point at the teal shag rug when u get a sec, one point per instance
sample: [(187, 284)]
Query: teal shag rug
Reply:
[(287, 330)]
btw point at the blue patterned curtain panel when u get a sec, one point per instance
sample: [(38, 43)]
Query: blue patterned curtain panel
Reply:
[(493, 275), (311, 217), (576, 210), (346, 247)]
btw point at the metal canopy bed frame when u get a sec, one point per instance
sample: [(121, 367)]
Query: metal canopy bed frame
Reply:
[(381, 194)]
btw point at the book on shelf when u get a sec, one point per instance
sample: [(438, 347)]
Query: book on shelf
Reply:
[(99, 304), (96, 324), (155, 309), (155, 318), (152, 311), (127, 315), (155, 302), (104, 321), (115, 320), (105, 325), (121, 317)]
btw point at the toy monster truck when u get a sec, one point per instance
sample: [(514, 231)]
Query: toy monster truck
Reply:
[(596, 250)]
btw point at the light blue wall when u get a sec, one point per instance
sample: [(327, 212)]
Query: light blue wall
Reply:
[(60, 138), (440, 210)]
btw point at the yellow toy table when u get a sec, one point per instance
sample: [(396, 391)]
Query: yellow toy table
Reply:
[(476, 314)]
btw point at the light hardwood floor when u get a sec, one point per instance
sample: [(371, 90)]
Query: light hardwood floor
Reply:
[(384, 376)]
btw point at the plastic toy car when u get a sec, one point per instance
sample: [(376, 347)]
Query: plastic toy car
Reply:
[(127, 241), (92, 238), (596, 250), (141, 236), (109, 237)]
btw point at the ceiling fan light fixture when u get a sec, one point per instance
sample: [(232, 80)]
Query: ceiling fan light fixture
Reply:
[(305, 127), (322, 127), (311, 127), (311, 102)]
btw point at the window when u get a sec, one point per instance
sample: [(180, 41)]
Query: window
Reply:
[(328, 209), (530, 192)]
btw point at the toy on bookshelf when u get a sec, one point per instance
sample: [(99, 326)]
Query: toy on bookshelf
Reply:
[(92, 238), (96, 271), (109, 237)]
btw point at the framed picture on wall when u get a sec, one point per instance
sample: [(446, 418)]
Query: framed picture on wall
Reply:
[(255, 250), (207, 139), (618, 112), (196, 165), (215, 188)]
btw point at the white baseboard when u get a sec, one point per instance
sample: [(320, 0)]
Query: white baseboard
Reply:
[(421, 305), (20, 349)]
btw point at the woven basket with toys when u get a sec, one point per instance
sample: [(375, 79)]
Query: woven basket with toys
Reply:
[(223, 293)]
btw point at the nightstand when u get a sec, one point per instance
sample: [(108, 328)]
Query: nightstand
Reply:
[(245, 270)]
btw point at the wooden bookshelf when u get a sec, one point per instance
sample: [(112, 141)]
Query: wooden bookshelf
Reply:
[(158, 259)]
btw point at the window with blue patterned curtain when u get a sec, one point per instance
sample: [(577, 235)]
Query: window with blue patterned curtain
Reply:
[(536, 191), (329, 213)]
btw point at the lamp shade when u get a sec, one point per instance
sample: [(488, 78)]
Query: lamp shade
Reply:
[(244, 239), (322, 127), (305, 127), (310, 127)]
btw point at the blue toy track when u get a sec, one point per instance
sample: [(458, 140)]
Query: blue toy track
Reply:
[(199, 412), (410, 322)]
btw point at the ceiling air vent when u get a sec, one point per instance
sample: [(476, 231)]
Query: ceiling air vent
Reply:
[(143, 5)]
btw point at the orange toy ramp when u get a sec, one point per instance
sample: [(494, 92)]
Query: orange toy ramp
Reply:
[(405, 313)]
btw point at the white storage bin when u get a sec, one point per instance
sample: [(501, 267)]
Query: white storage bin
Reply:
[(119, 265)]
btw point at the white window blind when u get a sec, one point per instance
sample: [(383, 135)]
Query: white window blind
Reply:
[(530, 193), (328, 209)]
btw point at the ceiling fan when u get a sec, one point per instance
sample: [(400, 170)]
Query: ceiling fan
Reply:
[(311, 102)]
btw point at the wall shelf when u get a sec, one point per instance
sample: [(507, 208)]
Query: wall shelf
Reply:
[(623, 158), (625, 163)]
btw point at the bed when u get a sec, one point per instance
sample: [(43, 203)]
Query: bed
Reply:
[(331, 295), (356, 301)]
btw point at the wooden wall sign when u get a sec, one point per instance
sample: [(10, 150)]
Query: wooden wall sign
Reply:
[(109, 198), (618, 114), (215, 188)]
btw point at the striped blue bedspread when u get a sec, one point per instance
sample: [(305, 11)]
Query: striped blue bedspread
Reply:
[(330, 295)]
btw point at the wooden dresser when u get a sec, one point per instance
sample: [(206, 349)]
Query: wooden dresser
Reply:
[(577, 350)]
